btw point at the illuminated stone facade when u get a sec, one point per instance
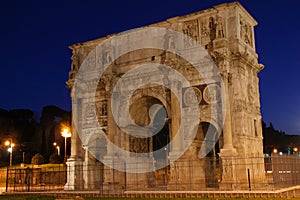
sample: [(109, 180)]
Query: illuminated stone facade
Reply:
[(226, 31)]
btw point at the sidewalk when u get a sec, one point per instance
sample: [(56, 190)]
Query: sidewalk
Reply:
[(282, 193)]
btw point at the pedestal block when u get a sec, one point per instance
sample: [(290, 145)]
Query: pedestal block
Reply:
[(74, 174)]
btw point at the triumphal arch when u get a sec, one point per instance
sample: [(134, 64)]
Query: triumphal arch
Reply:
[(185, 127)]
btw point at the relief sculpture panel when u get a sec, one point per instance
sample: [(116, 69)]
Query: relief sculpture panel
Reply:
[(212, 28), (191, 29), (245, 31)]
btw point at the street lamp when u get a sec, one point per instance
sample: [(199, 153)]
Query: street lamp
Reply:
[(166, 167), (66, 134), (10, 150), (58, 150), (57, 147), (295, 149)]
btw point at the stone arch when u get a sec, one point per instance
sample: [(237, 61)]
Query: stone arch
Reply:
[(212, 121), (139, 108), (205, 149), (95, 144), (189, 168), (157, 92), (95, 151), (212, 165)]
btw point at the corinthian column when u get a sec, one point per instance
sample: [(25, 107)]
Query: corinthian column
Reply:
[(74, 163), (227, 131), (228, 152), (111, 124)]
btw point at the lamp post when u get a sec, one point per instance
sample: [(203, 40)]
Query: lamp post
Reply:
[(10, 150), (57, 147), (58, 150), (166, 167), (295, 149), (66, 134)]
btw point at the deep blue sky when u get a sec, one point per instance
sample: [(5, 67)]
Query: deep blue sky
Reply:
[(35, 58)]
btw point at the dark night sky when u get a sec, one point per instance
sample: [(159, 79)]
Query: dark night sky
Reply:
[(35, 58)]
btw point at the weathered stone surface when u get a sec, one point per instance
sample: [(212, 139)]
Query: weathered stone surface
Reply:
[(227, 33)]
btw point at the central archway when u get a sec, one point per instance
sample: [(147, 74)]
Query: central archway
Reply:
[(161, 139), (150, 111)]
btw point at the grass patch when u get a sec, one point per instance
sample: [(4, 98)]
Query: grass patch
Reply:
[(51, 167), (43, 167), (203, 198)]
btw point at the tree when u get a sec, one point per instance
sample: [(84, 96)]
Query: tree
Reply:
[(54, 159), (37, 159)]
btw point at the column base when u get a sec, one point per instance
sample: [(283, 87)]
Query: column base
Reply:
[(228, 178), (113, 182), (228, 152), (140, 173), (74, 174)]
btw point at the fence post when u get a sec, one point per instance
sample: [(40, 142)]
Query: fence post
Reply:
[(249, 183), (28, 179), (6, 186), (125, 177)]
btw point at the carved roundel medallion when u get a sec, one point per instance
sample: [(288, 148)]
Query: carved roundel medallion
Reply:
[(212, 93), (189, 96)]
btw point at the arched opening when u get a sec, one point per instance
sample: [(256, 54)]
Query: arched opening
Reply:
[(161, 139), (160, 142), (212, 166), (142, 111), (95, 150)]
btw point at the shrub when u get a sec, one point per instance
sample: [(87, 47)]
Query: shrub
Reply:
[(37, 159), (54, 159)]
